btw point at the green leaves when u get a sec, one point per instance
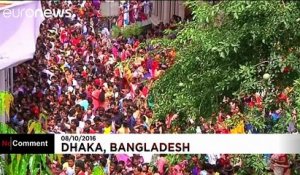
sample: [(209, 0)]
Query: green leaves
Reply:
[(128, 31), (97, 170), (6, 129), (116, 31), (18, 164), (35, 127), (3, 166), (132, 30), (226, 51), (32, 165), (22, 164), (253, 164)]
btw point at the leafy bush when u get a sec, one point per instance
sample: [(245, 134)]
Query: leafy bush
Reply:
[(128, 31), (116, 31), (23, 164), (225, 51)]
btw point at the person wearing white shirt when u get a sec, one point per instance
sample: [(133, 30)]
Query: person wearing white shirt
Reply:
[(74, 82), (126, 14), (203, 172), (135, 9), (89, 116), (83, 3), (81, 125), (78, 25), (105, 32), (77, 129), (84, 29), (146, 5), (212, 158), (73, 17), (70, 2), (48, 72)]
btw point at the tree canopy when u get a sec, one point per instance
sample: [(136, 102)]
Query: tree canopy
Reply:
[(225, 51)]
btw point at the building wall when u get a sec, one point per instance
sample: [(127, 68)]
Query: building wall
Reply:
[(164, 10)]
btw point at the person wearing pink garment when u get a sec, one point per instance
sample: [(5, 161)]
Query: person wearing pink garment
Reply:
[(95, 96), (280, 164), (161, 163)]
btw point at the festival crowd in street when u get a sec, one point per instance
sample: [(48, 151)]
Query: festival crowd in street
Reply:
[(85, 81)]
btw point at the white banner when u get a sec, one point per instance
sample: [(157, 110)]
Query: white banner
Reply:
[(19, 31), (176, 144)]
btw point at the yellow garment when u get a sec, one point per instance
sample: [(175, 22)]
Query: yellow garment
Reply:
[(66, 166), (137, 114), (138, 60), (107, 130), (128, 74), (233, 131), (122, 130), (109, 94), (6, 99), (239, 129), (62, 68)]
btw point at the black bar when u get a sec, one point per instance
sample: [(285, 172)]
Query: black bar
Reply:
[(26, 144)]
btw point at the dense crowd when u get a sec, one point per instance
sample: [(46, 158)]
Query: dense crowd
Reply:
[(85, 81), (132, 12)]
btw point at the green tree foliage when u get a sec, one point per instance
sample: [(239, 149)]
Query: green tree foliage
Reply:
[(116, 31), (128, 31), (225, 51), (23, 164)]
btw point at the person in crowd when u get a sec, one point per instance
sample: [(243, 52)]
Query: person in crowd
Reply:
[(85, 81), (280, 164), (79, 168), (69, 166)]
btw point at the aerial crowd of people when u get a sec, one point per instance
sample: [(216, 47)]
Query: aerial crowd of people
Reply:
[(85, 81)]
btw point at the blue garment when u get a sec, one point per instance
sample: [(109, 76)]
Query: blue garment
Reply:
[(121, 104), (130, 41), (195, 171), (147, 76), (84, 30), (149, 63), (267, 157), (275, 116), (84, 104), (96, 4), (132, 122), (67, 65), (106, 170), (249, 127), (14, 119), (126, 14), (145, 125), (59, 91), (291, 128)]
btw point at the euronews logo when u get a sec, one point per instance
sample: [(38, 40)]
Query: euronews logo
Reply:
[(31, 13)]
